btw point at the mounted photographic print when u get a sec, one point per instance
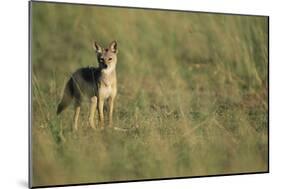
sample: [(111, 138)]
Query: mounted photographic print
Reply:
[(121, 94)]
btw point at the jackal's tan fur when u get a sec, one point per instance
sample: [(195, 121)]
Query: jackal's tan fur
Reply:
[(94, 84)]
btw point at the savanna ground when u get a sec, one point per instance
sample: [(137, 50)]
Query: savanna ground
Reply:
[(195, 85)]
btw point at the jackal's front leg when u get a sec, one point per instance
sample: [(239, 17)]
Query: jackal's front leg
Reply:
[(93, 107), (100, 109), (111, 105)]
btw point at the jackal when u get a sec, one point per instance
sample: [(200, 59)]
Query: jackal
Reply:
[(94, 84)]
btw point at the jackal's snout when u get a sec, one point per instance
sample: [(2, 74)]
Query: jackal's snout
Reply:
[(103, 65)]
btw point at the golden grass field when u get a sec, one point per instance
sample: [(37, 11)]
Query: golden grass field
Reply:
[(194, 84)]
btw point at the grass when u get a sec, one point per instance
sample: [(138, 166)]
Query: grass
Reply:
[(195, 85)]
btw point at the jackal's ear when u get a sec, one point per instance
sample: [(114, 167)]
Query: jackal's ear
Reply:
[(97, 48), (113, 46)]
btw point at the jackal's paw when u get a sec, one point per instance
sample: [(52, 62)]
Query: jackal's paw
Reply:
[(92, 124), (93, 127), (62, 138), (74, 130), (74, 135), (102, 128)]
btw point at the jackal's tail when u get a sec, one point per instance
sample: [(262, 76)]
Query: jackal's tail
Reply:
[(67, 96)]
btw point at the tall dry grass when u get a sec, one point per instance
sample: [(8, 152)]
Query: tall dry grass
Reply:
[(195, 85)]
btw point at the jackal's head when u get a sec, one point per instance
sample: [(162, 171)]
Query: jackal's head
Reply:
[(107, 57)]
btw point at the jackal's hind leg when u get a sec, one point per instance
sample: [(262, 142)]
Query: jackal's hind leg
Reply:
[(76, 116), (92, 109)]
